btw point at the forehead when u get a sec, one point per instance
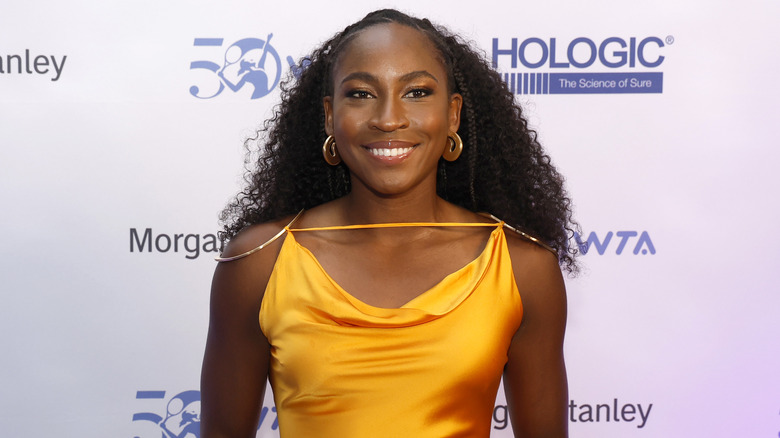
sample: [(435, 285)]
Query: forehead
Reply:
[(390, 48)]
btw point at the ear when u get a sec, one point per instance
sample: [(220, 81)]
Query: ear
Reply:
[(327, 104), (456, 102)]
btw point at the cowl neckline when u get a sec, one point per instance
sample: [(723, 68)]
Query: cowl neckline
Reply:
[(444, 297)]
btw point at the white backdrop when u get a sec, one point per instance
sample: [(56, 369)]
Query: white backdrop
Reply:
[(100, 135)]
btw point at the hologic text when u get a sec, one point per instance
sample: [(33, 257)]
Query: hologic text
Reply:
[(550, 66), (32, 64), (190, 244), (612, 52)]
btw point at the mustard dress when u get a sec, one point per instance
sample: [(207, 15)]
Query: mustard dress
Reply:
[(431, 368)]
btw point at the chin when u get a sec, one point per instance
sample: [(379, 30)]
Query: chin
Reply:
[(391, 188), (394, 183)]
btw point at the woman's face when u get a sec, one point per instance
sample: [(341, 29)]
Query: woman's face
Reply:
[(391, 110)]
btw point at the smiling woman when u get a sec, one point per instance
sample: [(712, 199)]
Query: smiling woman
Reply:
[(359, 276), (391, 110)]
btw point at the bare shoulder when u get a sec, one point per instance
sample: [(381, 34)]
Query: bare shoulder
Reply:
[(253, 236), (530, 258), (249, 275), (537, 275)]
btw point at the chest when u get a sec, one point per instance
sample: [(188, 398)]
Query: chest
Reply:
[(390, 272)]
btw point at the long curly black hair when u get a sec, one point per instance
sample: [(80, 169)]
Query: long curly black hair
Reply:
[(502, 170)]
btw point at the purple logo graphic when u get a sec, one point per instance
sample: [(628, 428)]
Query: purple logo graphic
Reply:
[(182, 415), (249, 62), (639, 245)]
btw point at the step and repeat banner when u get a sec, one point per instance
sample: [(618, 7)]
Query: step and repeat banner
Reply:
[(121, 138)]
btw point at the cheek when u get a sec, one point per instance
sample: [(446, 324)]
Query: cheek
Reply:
[(435, 122), (345, 129), (346, 118), (343, 126)]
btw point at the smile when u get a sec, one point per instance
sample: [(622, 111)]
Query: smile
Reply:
[(389, 152)]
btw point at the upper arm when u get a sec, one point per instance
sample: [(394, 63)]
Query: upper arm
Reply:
[(235, 363), (535, 375)]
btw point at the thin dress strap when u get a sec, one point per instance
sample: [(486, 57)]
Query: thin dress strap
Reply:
[(287, 228), (524, 234), (269, 241), (399, 225)]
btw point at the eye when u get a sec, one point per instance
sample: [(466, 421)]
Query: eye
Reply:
[(359, 94), (417, 93)]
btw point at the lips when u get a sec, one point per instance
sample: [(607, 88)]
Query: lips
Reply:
[(389, 149)]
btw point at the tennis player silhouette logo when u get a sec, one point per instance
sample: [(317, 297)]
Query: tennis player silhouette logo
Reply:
[(247, 62), (182, 416)]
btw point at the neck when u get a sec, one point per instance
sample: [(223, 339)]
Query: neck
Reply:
[(363, 206)]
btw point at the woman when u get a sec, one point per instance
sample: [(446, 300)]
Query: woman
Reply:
[(405, 325)]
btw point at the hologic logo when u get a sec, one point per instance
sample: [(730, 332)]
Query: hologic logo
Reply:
[(182, 415), (247, 62), (582, 53), (638, 243)]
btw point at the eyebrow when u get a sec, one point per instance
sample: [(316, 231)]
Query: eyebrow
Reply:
[(368, 77)]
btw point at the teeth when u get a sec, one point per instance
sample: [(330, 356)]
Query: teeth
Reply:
[(389, 152)]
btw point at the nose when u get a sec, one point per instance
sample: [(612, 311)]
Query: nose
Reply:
[(389, 115)]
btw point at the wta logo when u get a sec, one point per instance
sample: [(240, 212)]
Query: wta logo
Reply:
[(638, 243), (552, 66)]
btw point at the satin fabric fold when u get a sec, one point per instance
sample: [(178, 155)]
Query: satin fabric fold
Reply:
[(431, 368)]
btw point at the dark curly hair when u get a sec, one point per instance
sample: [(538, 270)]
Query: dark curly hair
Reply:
[(503, 169)]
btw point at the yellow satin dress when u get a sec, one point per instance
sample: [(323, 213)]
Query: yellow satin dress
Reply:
[(431, 368)]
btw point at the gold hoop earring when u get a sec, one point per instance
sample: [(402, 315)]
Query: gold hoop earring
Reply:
[(330, 152), (454, 148)]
